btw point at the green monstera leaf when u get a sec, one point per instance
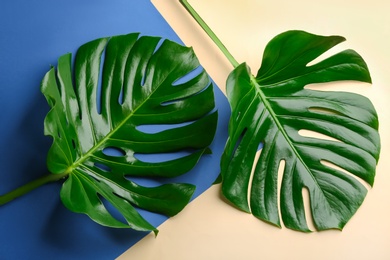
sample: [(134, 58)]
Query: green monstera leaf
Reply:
[(271, 108), (119, 85)]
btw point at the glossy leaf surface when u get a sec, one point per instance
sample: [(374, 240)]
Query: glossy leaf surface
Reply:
[(271, 109), (120, 86)]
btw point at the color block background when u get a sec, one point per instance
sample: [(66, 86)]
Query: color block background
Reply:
[(32, 37), (213, 230), (38, 227)]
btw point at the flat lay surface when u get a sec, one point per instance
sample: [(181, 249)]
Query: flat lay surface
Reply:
[(212, 229), (34, 35)]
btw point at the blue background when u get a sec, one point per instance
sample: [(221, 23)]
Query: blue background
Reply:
[(33, 34)]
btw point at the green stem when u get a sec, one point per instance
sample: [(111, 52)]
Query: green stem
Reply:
[(209, 32), (30, 186)]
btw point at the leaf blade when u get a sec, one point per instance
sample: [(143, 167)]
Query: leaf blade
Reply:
[(125, 75), (279, 107)]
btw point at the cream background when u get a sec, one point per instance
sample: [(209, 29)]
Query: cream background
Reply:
[(211, 229)]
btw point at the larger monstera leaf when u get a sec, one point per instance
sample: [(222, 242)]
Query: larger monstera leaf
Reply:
[(120, 85), (271, 108)]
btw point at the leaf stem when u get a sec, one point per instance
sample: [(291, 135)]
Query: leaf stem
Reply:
[(209, 32), (30, 186)]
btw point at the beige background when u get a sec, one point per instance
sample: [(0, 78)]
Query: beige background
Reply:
[(209, 228)]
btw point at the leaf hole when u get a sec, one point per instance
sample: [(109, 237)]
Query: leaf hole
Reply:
[(102, 167), (190, 75), (120, 98), (338, 168), (73, 80), (144, 73), (58, 82), (114, 212), (146, 182), (261, 145), (143, 79), (255, 160), (282, 165), (307, 209), (73, 144), (99, 84), (153, 129), (329, 53), (313, 134), (162, 157), (114, 151), (160, 42), (179, 100)]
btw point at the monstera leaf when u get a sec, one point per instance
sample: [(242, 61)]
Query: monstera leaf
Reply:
[(269, 110), (98, 116)]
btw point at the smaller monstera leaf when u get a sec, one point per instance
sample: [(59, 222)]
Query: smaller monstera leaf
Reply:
[(270, 109), (120, 85)]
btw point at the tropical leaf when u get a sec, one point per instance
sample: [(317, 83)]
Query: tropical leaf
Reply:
[(269, 110), (120, 85)]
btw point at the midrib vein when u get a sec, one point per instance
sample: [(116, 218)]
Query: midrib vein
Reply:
[(112, 132), (277, 122)]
